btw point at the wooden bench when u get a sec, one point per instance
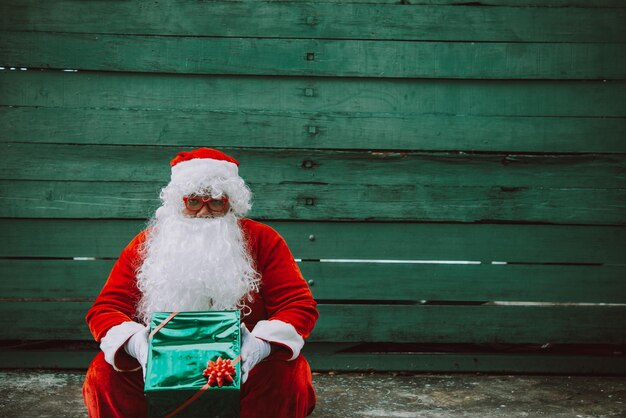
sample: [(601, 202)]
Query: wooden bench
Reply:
[(454, 194)]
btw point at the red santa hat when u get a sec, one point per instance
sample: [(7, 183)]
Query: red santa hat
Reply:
[(190, 166)]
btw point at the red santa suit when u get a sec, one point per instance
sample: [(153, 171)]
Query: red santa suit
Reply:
[(283, 313)]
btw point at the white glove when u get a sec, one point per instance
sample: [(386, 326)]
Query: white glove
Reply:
[(137, 346), (253, 351)]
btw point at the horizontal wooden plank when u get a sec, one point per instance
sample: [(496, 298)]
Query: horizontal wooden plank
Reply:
[(304, 57), (543, 98), (318, 20), (295, 200), (456, 362), (471, 324), (405, 241), (377, 323), (53, 279), (532, 3), (517, 3), (62, 199), (82, 279), (313, 130), (63, 321), (46, 359), (60, 162), (72, 238), (321, 360), (334, 240), (415, 282)]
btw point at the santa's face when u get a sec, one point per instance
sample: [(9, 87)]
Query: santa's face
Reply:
[(199, 206), (194, 259)]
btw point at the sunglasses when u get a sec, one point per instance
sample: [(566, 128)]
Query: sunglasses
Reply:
[(195, 203)]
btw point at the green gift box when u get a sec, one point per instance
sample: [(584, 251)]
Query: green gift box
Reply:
[(180, 346)]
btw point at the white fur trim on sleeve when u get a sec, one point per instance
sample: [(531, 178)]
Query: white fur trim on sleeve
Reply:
[(115, 339), (275, 331)]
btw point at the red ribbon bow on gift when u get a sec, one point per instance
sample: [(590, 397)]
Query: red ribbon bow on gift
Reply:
[(220, 372), (217, 372)]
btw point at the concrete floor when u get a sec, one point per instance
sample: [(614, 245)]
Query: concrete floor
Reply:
[(32, 393)]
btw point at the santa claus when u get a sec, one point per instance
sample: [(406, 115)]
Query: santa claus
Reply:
[(200, 253)]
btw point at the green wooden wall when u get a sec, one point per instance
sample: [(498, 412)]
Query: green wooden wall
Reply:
[(491, 134)]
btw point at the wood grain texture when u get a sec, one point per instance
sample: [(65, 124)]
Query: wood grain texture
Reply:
[(419, 3), (346, 240), (318, 20), (486, 282), (377, 323), (459, 362), (319, 130), (538, 98), (321, 359), (325, 185), (303, 57), (53, 279), (76, 280), (368, 130), (471, 324), (52, 162), (310, 200)]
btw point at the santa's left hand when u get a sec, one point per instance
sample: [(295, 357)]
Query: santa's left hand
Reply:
[(253, 351)]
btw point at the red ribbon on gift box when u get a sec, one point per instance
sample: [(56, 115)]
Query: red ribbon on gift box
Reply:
[(162, 324), (198, 393)]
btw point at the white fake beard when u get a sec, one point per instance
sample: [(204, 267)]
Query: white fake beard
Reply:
[(194, 264)]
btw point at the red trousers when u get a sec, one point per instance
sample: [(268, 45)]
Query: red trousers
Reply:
[(274, 389)]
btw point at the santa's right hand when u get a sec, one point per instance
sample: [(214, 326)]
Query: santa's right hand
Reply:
[(137, 346)]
